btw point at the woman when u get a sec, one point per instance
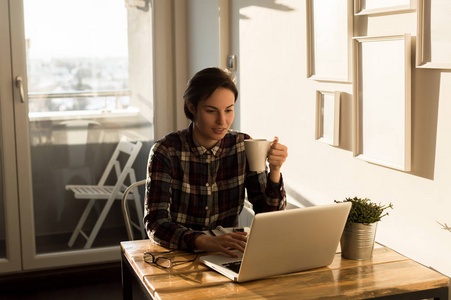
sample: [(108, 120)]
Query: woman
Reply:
[(197, 176)]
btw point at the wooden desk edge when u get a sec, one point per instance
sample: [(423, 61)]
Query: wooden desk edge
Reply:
[(128, 272), (438, 286)]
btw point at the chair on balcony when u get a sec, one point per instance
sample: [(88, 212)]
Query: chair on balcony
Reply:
[(76, 135), (110, 193)]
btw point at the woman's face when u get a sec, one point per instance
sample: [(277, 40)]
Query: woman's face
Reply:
[(213, 117)]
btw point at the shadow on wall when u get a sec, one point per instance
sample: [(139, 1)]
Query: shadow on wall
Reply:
[(425, 105), (271, 4), (345, 122), (295, 199)]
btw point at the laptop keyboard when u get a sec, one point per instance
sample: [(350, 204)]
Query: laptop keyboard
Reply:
[(234, 266)]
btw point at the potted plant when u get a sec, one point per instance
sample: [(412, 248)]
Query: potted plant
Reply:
[(357, 241)]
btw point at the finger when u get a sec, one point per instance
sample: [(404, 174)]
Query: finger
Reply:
[(236, 241), (228, 246), (239, 245), (242, 236), (278, 152), (274, 142), (276, 155), (279, 146), (276, 158), (282, 157), (276, 161), (229, 252)]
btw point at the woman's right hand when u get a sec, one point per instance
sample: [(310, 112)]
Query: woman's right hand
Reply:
[(222, 243)]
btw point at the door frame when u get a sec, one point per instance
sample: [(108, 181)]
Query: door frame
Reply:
[(12, 262), (21, 226), (29, 259)]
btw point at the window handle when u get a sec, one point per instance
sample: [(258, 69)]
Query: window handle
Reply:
[(231, 62), (19, 85)]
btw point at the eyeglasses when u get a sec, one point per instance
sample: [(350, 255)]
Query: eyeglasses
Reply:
[(164, 262)]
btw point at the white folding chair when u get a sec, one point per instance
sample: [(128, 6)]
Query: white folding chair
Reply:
[(107, 192), (75, 134)]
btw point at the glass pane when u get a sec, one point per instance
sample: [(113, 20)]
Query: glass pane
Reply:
[(75, 50), (84, 97)]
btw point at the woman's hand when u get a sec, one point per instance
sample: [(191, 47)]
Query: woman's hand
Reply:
[(222, 243), (277, 155)]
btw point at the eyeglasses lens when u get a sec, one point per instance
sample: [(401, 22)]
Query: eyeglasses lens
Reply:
[(163, 262)]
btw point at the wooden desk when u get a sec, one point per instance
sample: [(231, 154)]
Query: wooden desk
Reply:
[(388, 275)]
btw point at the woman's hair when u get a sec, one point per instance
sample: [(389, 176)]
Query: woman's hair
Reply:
[(204, 83)]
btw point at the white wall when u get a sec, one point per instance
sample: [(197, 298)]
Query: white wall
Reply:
[(203, 35), (276, 98)]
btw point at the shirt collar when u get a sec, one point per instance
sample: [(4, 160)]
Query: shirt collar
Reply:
[(198, 149)]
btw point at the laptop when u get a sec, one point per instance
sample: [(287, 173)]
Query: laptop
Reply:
[(286, 241)]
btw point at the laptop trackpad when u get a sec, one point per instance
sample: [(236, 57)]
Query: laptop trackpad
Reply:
[(222, 261)]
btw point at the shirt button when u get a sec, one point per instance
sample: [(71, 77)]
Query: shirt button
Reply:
[(206, 207)]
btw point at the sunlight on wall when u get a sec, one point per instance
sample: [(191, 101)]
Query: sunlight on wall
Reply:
[(277, 99)]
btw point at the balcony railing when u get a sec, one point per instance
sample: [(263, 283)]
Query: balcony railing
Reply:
[(116, 93), (39, 110)]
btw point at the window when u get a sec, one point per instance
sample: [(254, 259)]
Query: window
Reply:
[(77, 56)]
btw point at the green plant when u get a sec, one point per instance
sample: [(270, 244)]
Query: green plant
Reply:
[(364, 211)]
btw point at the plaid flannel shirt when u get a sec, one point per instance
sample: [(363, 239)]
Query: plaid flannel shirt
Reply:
[(190, 189)]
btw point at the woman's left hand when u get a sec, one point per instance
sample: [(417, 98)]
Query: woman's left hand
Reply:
[(277, 156)]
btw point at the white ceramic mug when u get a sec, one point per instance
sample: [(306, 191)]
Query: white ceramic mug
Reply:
[(256, 153)]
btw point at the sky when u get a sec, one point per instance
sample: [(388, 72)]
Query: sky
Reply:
[(77, 28)]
